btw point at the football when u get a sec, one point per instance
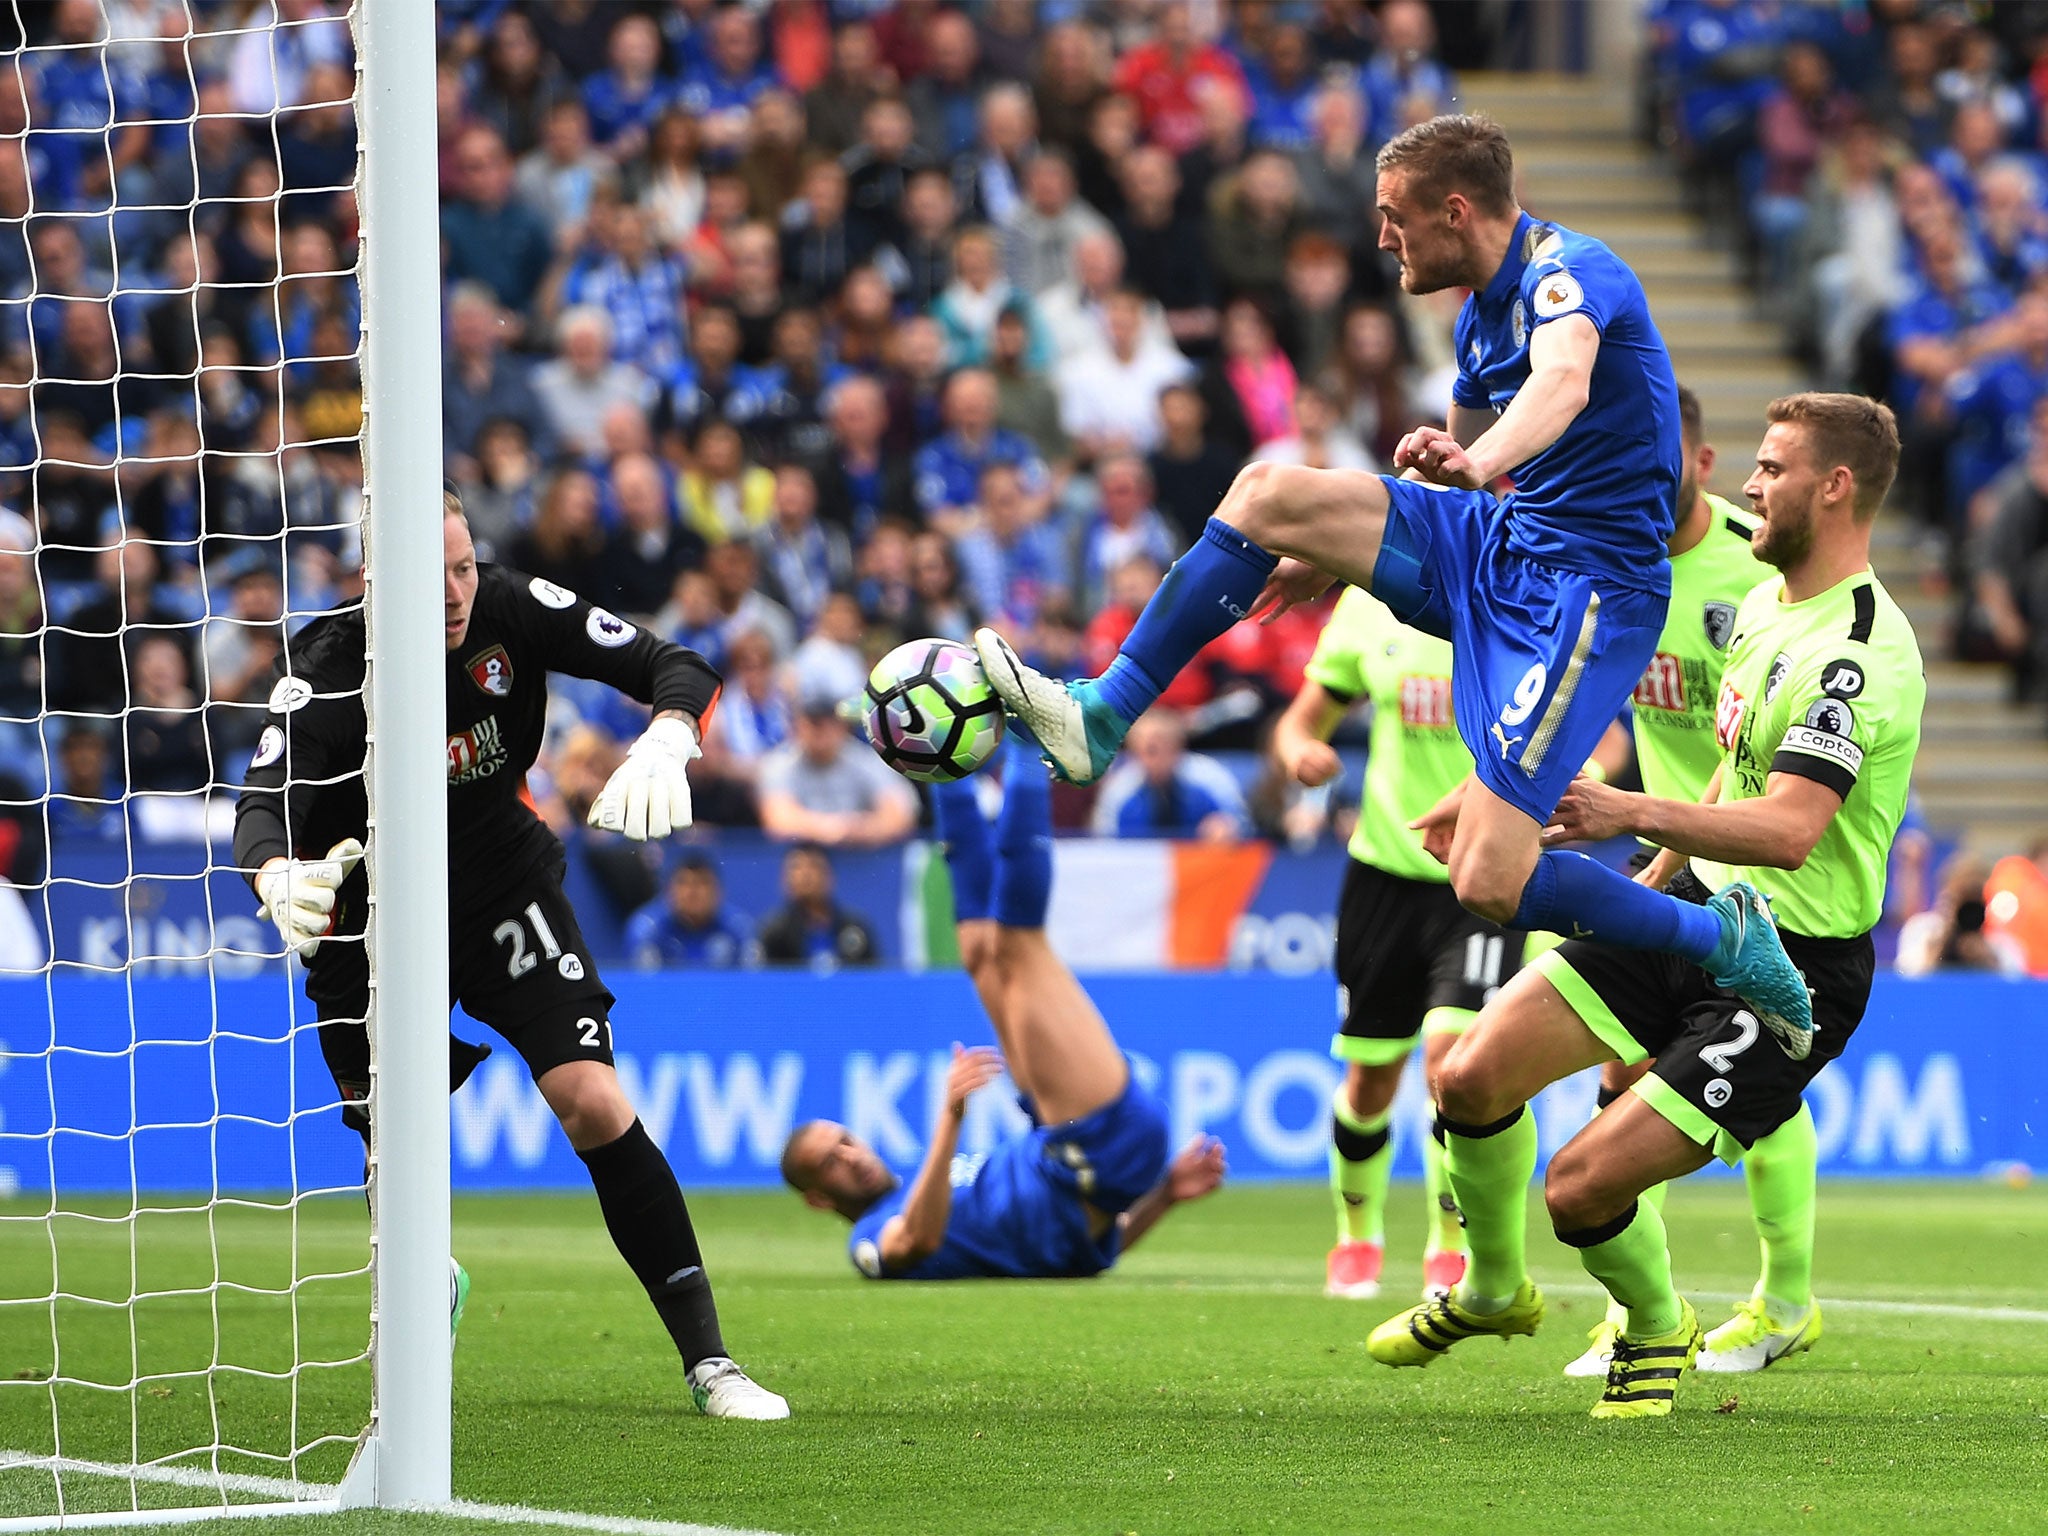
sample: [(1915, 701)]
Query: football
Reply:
[(931, 713)]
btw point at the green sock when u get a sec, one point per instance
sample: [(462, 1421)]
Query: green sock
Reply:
[(1446, 1228), (1490, 1175), (1361, 1161), (1634, 1263), (1780, 1172)]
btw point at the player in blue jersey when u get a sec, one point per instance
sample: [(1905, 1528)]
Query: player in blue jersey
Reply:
[(1552, 596), (1091, 1176)]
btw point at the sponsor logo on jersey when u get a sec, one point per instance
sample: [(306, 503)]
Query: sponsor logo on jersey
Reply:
[(1718, 1092), (1426, 703), (607, 629), (548, 595), (1558, 294), (476, 753), (290, 693), (1662, 685), (1781, 666), (269, 747), (1719, 619), (1841, 680), (491, 671), (1728, 712)]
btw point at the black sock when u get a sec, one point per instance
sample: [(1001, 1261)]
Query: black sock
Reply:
[(644, 1210)]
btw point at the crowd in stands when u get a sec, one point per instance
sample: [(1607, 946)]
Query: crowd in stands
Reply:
[(792, 331), (1884, 166)]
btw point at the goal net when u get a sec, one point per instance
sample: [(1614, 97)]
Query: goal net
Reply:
[(186, 1258)]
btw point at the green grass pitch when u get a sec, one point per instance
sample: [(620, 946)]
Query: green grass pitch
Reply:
[(1204, 1387)]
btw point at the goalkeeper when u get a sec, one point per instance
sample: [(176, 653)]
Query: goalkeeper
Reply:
[(517, 959), (1091, 1176)]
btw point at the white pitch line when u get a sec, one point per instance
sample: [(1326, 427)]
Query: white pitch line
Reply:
[(309, 1499)]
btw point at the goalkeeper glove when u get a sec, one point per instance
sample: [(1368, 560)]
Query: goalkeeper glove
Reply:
[(298, 894), (649, 796)]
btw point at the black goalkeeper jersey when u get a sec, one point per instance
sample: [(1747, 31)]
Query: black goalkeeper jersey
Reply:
[(305, 789)]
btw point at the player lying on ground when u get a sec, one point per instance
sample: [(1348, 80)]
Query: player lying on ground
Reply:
[(1671, 736), (1818, 721), (516, 957), (1412, 965), (1552, 598), (1091, 1177)]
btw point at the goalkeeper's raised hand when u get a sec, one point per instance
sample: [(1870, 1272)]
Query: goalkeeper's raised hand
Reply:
[(298, 894), (649, 795)]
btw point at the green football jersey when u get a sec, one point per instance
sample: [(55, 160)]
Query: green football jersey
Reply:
[(1416, 755), (1674, 703), (1829, 689)]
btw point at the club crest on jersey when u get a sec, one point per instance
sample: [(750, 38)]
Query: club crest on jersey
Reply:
[(492, 672), (1520, 319), (607, 629), (1719, 619), (1558, 294), (1781, 664)]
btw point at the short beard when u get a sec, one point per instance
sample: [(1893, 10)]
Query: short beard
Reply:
[(1787, 540)]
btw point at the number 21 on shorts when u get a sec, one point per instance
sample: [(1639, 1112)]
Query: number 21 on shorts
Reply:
[(521, 960)]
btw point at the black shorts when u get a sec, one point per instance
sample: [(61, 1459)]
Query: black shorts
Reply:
[(517, 961), (1716, 1074), (1406, 949)]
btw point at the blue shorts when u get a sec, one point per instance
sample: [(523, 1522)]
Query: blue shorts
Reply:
[(1110, 1158), (1542, 659)]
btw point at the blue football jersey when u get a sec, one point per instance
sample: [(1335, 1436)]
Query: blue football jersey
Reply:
[(1601, 499), (1011, 1219)]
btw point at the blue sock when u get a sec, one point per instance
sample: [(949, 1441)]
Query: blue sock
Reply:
[(970, 847), (1580, 897), (1209, 589), (1023, 880)]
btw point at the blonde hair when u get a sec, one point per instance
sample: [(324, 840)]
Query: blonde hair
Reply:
[(1853, 432)]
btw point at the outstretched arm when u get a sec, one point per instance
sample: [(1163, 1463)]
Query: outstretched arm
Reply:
[(1194, 1172), (915, 1233)]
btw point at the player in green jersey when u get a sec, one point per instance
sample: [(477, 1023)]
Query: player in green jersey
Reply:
[(1712, 569), (1817, 720), (1412, 964)]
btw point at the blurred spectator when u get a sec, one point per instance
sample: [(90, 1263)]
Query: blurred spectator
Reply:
[(499, 496), (565, 543), (705, 384), (1098, 162), (1224, 147), (1025, 403), (21, 646), (825, 787), (734, 568), (1170, 75), (316, 145), (1160, 789), (517, 85), (1320, 439), (165, 726), (649, 547), (879, 167), (1190, 470), (941, 604), (1011, 559), (2016, 905), (1403, 80), (692, 619), (625, 98), (1804, 113), (1109, 396), (85, 802), (946, 473), (1977, 74), (1040, 238), (1339, 188), (1951, 934), (2009, 566), (1370, 374), (725, 496), (991, 175), (819, 246), (88, 649), (1318, 280), (786, 399), (883, 586), (921, 265), (1989, 404), (979, 292), (240, 648), (581, 386), (1283, 85), (72, 494), (487, 236), (481, 382), (754, 714), (1258, 372), (830, 663), (858, 479), (1069, 81), (915, 379), (1008, 31), (689, 925), (1974, 138), (834, 106), (1253, 220), (1856, 246), (1166, 254), (667, 180), (731, 78), (803, 562), (813, 929), (944, 99), (773, 163), (1126, 527), (757, 297), (639, 288), (1906, 102), (862, 322), (2009, 223), (1075, 313)]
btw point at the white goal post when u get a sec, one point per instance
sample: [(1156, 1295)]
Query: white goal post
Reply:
[(401, 1456)]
